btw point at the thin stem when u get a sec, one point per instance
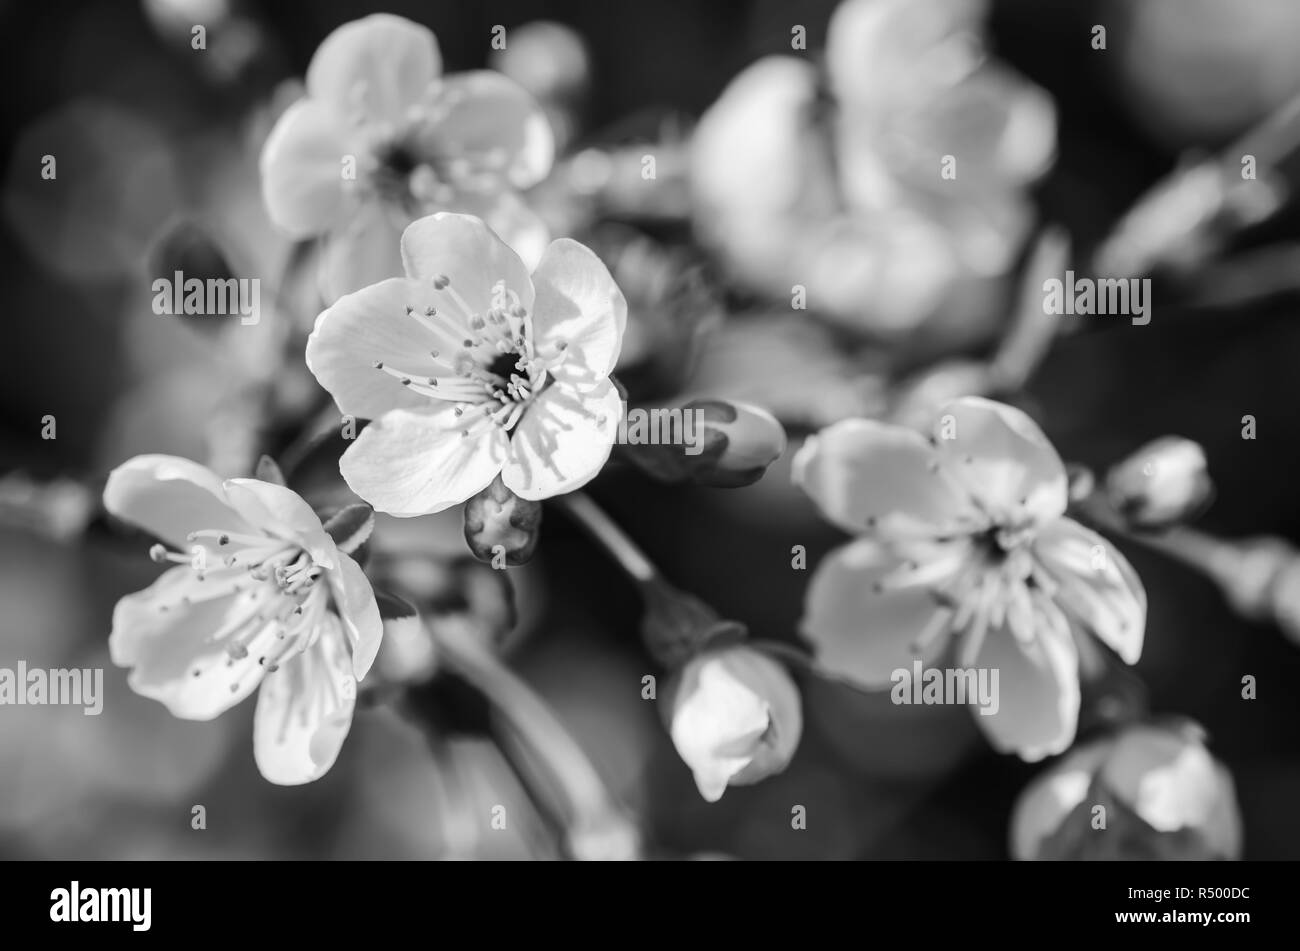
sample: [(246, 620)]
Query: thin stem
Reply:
[(597, 826), (1189, 546), (1246, 570), (609, 536), (1030, 333)]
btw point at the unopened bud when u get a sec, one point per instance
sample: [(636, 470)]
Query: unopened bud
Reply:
[(549, 60), (724, 444), (734, 717), (500, 525), (1150, 791), (1162, 484)]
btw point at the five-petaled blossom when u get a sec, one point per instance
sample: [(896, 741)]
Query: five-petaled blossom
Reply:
[(470, 368), (381, 139), (893, 188), (260, 595), (963, 536)]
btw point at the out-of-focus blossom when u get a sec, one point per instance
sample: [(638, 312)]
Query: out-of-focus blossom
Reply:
[(261, 595), (1160, 59), (233, 42), (962, 537), (548, 59), (919, 395), (1162, 796), (550, 62), (381, 139), (1163, 483), (58, 509), (735, 718), (797, 369), (673, 307), (470, 369), (894, 203)]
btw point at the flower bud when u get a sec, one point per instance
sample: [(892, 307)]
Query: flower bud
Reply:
[(724, 444), (549, 60), (1162, 484), (1150, 791), (742, 441), (499, 525), (735, 718)]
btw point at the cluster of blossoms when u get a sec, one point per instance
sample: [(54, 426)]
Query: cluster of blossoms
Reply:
[(479, 355)]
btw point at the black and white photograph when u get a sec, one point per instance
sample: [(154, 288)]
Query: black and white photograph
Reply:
[(650, 431)]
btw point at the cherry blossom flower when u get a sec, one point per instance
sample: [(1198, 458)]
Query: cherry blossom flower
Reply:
[(381, 139), (891, 188), (470, 368), (963, 537), (735, 718), (260, 595), (1162, 796)]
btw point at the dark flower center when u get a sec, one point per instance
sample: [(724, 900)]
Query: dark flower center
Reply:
[(503, 366), (398, 160)]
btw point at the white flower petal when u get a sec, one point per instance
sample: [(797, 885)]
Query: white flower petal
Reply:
[(281, 512), (752, 152), (563, 440), (578, 304), (718, 722), (169, 497), (1098, 587), (895, 52), (479, 266), (1038, 692), (409, 464), (498, 131), (301, 163), (166, 647), (363, 251), (304, 710), (862, 634), (358, 612), (372, 325), (1170, 781), (1001, 126), (865, 475), (1001, 457), (375, 68)]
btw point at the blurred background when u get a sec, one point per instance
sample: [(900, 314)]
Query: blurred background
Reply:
[(157, 148)]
